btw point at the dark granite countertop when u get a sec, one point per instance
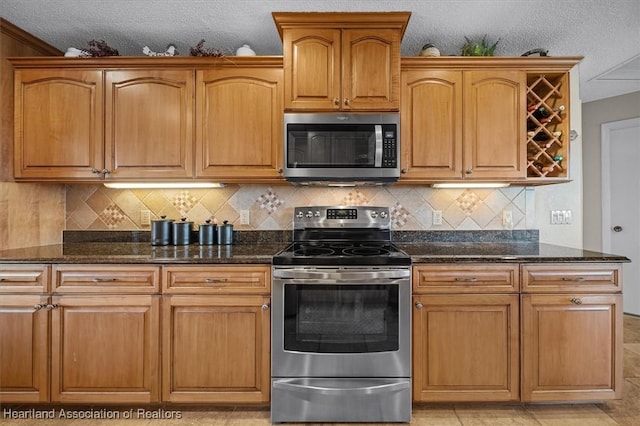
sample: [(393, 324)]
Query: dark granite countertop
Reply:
[(420, 252)]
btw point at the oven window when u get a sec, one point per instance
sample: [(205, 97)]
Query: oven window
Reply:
[(326, 145), (341, 318)]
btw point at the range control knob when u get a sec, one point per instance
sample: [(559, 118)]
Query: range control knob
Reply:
[(309, 214), (300, 215), (317, 213), (373, 214), (383, 215)]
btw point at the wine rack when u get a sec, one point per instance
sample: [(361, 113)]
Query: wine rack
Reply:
[(548, 125)]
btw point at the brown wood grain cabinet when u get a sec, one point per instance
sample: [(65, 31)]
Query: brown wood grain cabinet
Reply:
[(24, 333), (58, 124), (463, 124), (571, 332), (341, 61), (466, 333), (239, 124), (216, 334), (149, 123)]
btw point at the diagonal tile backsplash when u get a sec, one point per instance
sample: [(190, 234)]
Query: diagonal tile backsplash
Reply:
[(94, 207)]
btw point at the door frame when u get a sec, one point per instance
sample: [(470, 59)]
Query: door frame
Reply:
[(605, 179)]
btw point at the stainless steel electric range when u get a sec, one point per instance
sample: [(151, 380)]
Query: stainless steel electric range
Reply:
[(341, 320)]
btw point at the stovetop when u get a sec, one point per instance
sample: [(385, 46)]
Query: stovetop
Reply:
[(342, 235)]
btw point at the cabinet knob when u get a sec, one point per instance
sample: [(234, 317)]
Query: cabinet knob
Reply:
[(576, 301), (419, 305), (336, 101), (96, 171), (404, 171), (347, 102), (280, 170), (51, 307), (38, 306), (265, 306), (106, 172), (468, 171)]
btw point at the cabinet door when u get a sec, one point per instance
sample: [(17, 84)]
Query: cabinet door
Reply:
[(495, 124), (239, 124), (431, 120), (105, 349), (371, 69), (216, 349), (149, 124), (312, 70), (465, 348), (58, 122), (24, 356), (571, 347)]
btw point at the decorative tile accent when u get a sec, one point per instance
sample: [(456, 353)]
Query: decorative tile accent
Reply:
[(184, 201), (269, 201), (399, 216), (112, 216), (354, 198), (468, 201)]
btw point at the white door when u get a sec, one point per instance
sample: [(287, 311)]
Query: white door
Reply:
[(621, 202)]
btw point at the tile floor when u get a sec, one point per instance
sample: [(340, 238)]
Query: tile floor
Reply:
[(622, 412)]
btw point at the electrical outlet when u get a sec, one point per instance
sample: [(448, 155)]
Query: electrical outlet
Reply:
[(437, 217), (507, 218), (244, 217), (145, 217), (561, 217)]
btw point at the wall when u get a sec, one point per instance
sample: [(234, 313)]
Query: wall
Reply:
[(30, 214), (595, 114), (271, 207)]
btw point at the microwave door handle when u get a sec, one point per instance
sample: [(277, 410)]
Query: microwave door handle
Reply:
[(378, 155)]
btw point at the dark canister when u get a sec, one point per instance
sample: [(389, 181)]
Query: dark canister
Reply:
[(161, 231), (182, 232), (225, 233), (207, 233)]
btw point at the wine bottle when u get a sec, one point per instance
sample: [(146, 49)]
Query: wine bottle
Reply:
[(543, 136), (531, 125), (543, 112)]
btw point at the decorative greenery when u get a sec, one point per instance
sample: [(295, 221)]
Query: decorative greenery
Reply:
[(98, 48), (200, 50), (478, 48)]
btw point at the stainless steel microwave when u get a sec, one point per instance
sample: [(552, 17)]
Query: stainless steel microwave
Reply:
[(341, 148)]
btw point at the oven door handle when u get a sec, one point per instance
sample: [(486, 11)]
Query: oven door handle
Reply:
[(294, 385), (379, 281), (342, 276)]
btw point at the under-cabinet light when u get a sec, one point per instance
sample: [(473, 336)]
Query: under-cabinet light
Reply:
[(470, 185), (162, 185)]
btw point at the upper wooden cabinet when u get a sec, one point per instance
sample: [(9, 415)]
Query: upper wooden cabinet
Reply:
[(159, 123), (463, 124), (466, 118), (341, 61), (149, 123), (58, 121), (239, 123)]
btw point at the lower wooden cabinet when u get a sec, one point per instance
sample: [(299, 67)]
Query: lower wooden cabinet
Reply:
[(104, 349), (465, 348), (216, 349), (24, 348), (571, 347)]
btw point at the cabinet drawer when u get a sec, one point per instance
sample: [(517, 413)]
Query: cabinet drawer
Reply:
[(567, 277), (237, 279), (120, 279), (24, 278), (470, 278)]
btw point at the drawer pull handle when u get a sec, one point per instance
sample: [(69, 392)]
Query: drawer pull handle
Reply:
[(419, 305), (572, 278), (103, 280), (467, 280), (52, 307), (38, 306), (265, 306), (576, 301), (215, 280)]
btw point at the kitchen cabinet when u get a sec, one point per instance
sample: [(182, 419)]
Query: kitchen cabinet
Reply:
[(239, 124), (149, 123), (148, 119), (465, 333), (463, 124), (105, 339), (571, 332), (216, 334), (24, 333), (58, 124), (341, 61)]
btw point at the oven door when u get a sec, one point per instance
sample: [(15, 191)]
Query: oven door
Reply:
[(341, 322)]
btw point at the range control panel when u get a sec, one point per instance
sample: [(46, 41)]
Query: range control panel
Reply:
[(341, 217)]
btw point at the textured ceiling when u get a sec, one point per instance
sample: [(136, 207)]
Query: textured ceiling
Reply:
[(605, 32)]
